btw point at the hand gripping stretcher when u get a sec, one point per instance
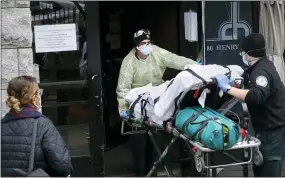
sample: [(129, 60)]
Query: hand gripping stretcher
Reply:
[(199, 153)]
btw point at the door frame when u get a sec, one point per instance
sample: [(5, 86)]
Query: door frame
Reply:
[(95, 88)]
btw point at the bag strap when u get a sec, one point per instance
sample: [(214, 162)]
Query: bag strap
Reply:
[(33, 145), (191, 119), (229, 107)]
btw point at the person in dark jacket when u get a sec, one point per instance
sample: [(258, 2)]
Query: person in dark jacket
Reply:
[(51, 153), (265, 98)]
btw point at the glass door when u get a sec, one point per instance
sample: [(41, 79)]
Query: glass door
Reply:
[(65, 83)]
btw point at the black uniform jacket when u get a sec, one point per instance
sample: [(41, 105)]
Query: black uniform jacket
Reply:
[(266, 96)]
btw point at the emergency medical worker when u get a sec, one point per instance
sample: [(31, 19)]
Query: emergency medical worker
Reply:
[(146, 63), (265, 98)]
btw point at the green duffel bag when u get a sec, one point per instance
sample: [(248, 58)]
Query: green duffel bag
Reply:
[(208, 127)]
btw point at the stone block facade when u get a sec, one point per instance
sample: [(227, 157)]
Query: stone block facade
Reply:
[(16, 44)]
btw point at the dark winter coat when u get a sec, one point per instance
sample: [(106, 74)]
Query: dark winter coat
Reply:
[(51, 153)]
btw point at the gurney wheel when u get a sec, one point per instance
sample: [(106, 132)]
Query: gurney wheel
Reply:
[(200, 164), (257, 158)]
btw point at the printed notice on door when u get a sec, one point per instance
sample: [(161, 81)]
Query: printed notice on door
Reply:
[(55, 38)]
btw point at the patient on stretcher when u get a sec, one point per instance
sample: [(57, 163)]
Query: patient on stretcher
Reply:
[(191, 99), (190, 87)]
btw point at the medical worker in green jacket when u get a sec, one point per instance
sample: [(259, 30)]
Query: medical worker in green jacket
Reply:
[(146, 63)]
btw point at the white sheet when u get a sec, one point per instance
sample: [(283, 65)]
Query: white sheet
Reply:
[(149, 108), (149, 93), (154, 91), (164, 108)]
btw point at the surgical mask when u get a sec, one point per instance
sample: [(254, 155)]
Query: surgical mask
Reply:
[(145, 50), (244, 60), (243, 56), (39, 105)]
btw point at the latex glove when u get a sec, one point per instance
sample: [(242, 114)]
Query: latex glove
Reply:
[(124, 114), (223, 82), (199, 61)]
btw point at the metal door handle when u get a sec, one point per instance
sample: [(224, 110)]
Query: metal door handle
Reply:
[(96, 75)]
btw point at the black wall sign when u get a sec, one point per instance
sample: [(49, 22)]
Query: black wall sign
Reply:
[(226, 23)]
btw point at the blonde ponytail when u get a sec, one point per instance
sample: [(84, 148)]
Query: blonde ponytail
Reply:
[(13, 103)]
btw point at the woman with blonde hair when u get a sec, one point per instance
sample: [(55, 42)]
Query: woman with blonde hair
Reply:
[(18, 134)]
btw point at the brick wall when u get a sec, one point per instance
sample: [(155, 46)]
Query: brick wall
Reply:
[(16, 42)]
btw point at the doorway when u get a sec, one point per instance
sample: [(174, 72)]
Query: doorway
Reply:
[(110, 29), (84, 106), (65, 101), (118, 22)]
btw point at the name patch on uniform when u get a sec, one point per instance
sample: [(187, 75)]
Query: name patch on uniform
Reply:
[(261, 81)]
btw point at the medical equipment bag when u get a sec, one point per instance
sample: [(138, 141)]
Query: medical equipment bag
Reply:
[(208, 127)]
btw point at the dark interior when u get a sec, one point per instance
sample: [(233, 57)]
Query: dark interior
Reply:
[(162, 20), (65, 94)]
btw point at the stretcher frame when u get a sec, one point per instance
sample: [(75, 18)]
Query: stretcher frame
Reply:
[(200, 153)]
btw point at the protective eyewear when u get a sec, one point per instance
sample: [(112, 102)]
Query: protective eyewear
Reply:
[(145, 43)]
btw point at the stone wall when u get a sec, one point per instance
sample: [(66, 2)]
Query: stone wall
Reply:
[(16, 42)]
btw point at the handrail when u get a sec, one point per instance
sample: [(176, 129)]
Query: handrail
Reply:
[(63, 84)]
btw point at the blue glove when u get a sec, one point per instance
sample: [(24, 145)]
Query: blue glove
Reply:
[(199, 61), (223, 82), (124, 114)]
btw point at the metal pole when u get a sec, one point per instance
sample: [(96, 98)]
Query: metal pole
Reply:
[(203, 32), (245, 158), (204, 62), (161, 155), (209, 158)]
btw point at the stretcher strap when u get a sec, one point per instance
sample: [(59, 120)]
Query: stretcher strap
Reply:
[(170, 83), (176, 104), (133, 106), (156, 100), (190, 120), (143, 109), (196, 75), (229, 74)]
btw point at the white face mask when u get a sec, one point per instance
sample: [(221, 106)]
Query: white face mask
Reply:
[(39, 105), (145, 49), (244, 60)]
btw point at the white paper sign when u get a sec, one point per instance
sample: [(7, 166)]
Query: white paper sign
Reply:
[(191, 26), (55, 38)]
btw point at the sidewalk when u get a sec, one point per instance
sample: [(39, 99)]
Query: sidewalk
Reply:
[(118, 163)]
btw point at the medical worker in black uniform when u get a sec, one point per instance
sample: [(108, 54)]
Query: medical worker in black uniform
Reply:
[(265, 99)]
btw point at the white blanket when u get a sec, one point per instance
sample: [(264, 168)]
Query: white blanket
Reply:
[(149, 93), (154, 91), (164, 108)]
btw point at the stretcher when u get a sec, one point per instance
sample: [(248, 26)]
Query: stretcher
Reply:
[(199, 153)]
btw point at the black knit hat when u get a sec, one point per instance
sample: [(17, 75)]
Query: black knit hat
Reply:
[(141, 35), (254, 45)]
